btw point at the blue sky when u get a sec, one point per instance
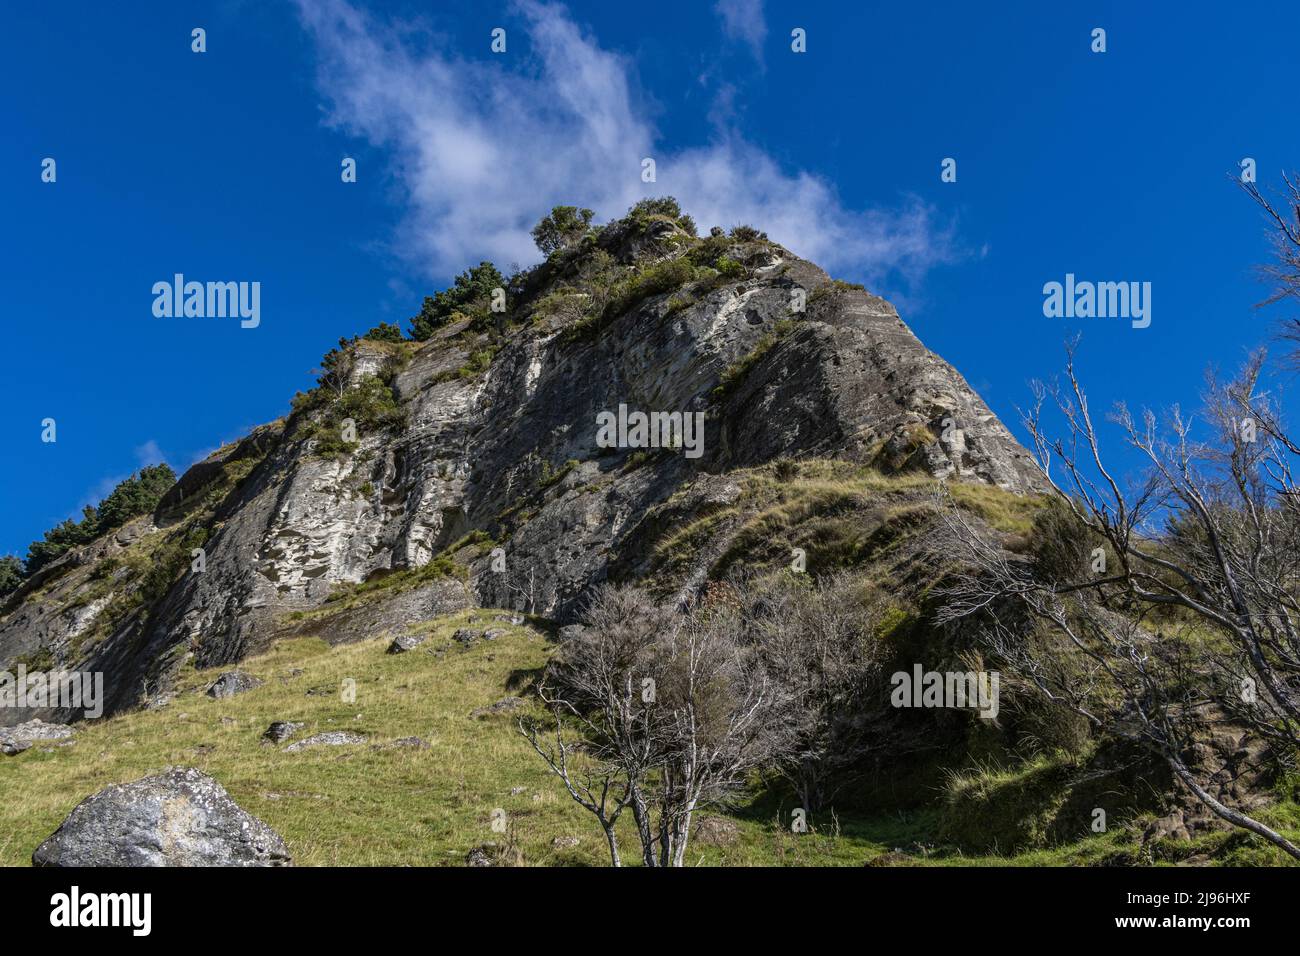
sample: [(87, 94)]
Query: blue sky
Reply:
[(225, 166)]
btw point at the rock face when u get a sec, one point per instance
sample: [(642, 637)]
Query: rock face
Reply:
[(179, 818), (401, 524)]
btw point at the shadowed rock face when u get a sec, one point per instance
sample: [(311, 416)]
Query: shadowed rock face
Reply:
[(512, 451), (179, 818)]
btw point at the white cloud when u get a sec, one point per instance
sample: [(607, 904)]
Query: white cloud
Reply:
[(149, 454), (485, 146), (743, 20)]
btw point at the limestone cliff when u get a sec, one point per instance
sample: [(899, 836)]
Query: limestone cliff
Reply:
[(404, 486)]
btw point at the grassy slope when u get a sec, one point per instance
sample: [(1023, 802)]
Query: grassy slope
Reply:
[(377, 804)]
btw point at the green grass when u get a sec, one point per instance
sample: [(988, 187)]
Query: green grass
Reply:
[(734, 374), (842, 514), (630, 292), (359, 805), (379, 804), (347, 596), (371, 804)]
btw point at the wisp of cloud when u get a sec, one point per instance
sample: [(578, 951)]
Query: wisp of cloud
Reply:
[(485, 147)]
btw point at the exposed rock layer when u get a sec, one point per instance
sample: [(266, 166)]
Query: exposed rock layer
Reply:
[(512, 452)]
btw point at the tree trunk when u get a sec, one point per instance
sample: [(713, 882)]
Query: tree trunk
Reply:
[(612, 839), (682, 836), (641, 814), (1227, 813)]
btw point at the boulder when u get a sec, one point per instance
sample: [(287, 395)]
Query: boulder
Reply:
[(406, 642), (330, 738), (181, 817), (504, 706), (14, 740), (231, 683), (714, 831), (570, 631), (281, 730), (465, 637), (480, 856)]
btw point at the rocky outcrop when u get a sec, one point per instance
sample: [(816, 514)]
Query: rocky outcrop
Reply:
[(179, 818), (406, 642), (15, 740), (232, 683), (488, 486), (505, 705), (330, 738)]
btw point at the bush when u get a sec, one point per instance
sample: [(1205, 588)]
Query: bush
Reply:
[(745, 233), (709, 251), (1059, 545), (565, 226), (477, 363), (729, 268), (659, 278), (734, 374), (385, 332), (137, 495), (647, 209), (11, 574), (371, 406), (471, 286), (551, 475)]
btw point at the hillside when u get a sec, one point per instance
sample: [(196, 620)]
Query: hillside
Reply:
[(484, 435), (395, 801), (462, 480)]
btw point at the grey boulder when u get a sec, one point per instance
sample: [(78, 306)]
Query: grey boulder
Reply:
[(14, 740), (232, 683), (281, 730), (504, 706), (465, 637), (407, 642), (330, 738), (181, 817)]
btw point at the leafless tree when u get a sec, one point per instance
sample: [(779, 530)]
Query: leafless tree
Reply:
[(524, 588), (595, 782), (1207, 543), (819, 642), (1284, 272), (674, 712), (593, 692), (337, 368)]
